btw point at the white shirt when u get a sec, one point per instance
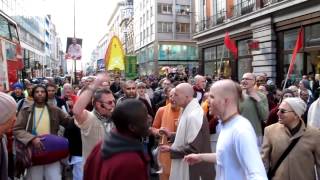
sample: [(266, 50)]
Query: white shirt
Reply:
[(238, 156)]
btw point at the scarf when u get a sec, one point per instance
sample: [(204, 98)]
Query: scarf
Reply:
[(106, 122), (190, 123)]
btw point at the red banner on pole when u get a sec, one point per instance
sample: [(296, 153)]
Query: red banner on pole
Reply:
[(231, 45), (299, 44)]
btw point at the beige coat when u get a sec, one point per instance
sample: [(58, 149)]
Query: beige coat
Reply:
[(56, 115), (299, 164)]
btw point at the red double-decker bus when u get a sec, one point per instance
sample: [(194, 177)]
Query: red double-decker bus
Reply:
[(11, 62)]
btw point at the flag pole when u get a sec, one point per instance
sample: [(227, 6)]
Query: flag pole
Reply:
[(74, 36), (286, 80), (293, 58)]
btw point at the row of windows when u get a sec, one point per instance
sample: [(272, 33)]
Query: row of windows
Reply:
[(167, 9), (164, 9), (145, 17), (166, 27), (145, 33), (143, 4)]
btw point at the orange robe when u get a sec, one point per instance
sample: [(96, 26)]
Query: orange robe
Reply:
[(168, 118)]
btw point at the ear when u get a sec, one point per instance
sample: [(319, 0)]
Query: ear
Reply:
[(132, 128)]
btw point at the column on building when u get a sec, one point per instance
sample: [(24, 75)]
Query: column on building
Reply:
[(264, 58)]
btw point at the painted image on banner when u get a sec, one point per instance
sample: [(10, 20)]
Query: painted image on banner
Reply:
[(74, 50)]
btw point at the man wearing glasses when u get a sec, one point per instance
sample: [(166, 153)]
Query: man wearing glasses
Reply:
[(254, 107), (303, 161), (94, 124)]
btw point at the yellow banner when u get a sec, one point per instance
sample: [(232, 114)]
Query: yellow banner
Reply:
[(114, 57)]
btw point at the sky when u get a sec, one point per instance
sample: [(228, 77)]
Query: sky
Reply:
[(91, 20)]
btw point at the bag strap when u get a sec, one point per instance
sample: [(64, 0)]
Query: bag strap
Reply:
[(272, 171), (20, 105), (29, 118)]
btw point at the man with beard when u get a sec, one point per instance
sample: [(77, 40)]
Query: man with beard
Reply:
[(72, 133), (17, 94), (121, 154), (130, 92), (94, 124), (37, 120)]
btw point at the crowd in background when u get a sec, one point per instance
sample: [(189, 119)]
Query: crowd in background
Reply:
[(83, 114)]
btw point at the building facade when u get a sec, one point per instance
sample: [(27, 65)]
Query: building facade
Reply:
[(163, 35), (265, 32), (38, 40)]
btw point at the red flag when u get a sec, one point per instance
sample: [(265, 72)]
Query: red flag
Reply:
[(299, 44), (231, 45)]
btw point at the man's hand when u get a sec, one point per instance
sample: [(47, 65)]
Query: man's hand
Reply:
[(254, 95), (192, 159), (164, 148), (37, 144), (69, 103), (165, 131), (100, 78)]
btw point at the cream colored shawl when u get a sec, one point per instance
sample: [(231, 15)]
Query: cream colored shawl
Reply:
[(314, 114), (190, 123)]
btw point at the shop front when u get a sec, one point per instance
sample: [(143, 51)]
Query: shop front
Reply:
[(308, 58)]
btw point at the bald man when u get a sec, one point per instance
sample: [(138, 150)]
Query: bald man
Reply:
[(237, 154), (192, 136), (254, 106)]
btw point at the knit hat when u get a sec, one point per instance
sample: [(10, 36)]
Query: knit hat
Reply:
[(297, 105), (8, 107), (17, 85)]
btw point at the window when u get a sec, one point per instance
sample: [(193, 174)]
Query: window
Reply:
[(312, 34), (144, 34), (4, 28), (182, 28), (151, 12), (14, 33), (140, 21), (140, 36), (165, 8), (144, 18), (151, 29), (290, 38), (213, 62), (182, 9), (147, 32), (164, 27), (243, 48), (147, 16)]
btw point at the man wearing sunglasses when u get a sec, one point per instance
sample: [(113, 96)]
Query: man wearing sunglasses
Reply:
[(94, 124), (303, 161)]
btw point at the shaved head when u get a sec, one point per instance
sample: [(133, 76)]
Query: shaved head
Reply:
[(224, 95), (183, 94), (227, 88), (186, 89)]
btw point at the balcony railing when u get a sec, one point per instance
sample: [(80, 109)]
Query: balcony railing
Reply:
[(245, 7), (211, 21), (266, 3)]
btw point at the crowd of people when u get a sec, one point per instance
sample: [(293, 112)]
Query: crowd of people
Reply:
[(162, 128)]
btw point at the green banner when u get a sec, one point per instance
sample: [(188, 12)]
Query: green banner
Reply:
[(131, 67)]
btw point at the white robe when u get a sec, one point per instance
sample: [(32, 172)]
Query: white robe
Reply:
[(314, 114), (190, 123)]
